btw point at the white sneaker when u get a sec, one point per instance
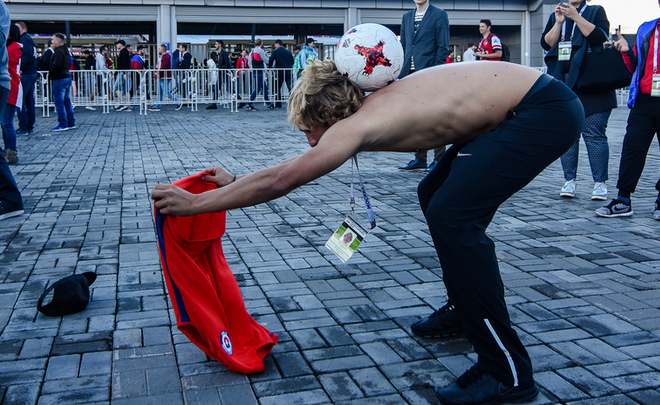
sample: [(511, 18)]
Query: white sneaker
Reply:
[(600, 192), (90, 108), (568, 191), (656, 212)]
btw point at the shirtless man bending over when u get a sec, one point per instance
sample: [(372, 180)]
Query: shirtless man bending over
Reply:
[(506, 123)]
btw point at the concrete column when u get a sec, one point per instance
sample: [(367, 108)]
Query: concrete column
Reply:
[(352, 18), (166, 25), (526, 39)]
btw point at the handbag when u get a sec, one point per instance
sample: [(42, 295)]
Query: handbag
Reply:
[(603, 69)]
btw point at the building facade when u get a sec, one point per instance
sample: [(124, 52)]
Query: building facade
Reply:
[(518, 22)]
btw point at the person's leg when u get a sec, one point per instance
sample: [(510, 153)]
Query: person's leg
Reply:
[(168, 85), (10, 196), (489, 171), (8, 131), (59, 90), (642, 127), (420, 155), (598, 149), (27, 114), (437, 153), (569, 161), (256, 80), (70, 120)]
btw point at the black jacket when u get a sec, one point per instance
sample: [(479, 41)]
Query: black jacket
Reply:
[(282, 57), (593, 103), (44, 63), (124, 61), (223, 60), (60, 64), (28, 56)]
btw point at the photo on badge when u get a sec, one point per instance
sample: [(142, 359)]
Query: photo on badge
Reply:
[(345, 240)]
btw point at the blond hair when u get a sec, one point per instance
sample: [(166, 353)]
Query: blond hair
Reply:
[(322, 96)]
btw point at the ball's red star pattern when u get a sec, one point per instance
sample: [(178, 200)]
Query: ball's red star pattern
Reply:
[(374, 56)]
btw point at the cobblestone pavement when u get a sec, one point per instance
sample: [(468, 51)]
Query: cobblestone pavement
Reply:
[(583, 291)]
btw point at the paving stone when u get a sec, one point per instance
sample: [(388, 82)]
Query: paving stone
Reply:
[(340, 387), (372, 382)]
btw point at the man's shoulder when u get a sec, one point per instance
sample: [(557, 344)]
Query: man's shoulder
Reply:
[(433, 10)]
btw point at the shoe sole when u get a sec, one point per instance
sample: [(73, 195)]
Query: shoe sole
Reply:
[(567, 195), (412, 170), (598, 198), (60, 130), (446, 333), (11, 214), (519, 398), (623, 214)]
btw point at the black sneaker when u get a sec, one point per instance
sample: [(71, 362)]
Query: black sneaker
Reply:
[(271, 107), (250, 108), (475, 387), (443, 322), (614, 209), (6, 212)]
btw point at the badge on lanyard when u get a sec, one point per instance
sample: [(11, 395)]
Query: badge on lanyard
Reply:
[(655, 86), (565, 49), (346, 239)]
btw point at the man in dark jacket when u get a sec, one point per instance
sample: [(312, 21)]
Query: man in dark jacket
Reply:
[(123, 84), (223, 63), (26, 115), (59, 74), (283, 59), (425, 40)]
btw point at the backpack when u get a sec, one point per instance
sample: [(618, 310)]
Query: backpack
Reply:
[(506, 53)]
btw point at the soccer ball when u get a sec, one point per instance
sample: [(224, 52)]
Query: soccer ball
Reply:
[(370, 55)]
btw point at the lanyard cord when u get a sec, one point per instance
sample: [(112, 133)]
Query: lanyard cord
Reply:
[(563, 27), (370, 211), (655, 52)]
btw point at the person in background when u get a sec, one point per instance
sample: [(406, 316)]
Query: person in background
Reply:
[(308, 53), (11, 202), (574, 27), (450, 57), (90, 82), (644, 119), (258, 61), (102, 70), (164, 76), (212, 64), (15, 100), (59, 74), (46, 56), (490, 47), (468, 55), (242, 75), (122, 86), (28, 72), (425, 40), (282, 58)]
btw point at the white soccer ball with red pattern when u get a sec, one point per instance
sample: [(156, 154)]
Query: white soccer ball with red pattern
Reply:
[(370, 55)]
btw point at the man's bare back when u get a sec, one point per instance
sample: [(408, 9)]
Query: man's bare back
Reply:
[(438, 106)]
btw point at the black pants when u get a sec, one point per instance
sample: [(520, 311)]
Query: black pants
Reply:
[(643, 125), (283, 76), (459, 199)]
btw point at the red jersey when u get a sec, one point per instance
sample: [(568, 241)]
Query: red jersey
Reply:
[(490, 45), (205, 296)]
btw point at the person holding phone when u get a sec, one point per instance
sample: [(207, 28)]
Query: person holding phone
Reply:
[(571, 31)]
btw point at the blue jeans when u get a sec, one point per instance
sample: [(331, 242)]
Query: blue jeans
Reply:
[(165, 85), (62, 99), (27, 114), (8, 131), (10, 197), (260, 88)]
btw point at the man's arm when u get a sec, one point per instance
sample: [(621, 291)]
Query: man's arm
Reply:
[(264, 185), (442, 38)]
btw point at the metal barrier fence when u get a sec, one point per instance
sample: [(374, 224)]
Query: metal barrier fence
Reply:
[(227, 88)]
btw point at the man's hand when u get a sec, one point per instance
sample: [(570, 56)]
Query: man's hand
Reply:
[(569, 11), (218, 175), (620, 44), (172, 200), (559, 16)]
